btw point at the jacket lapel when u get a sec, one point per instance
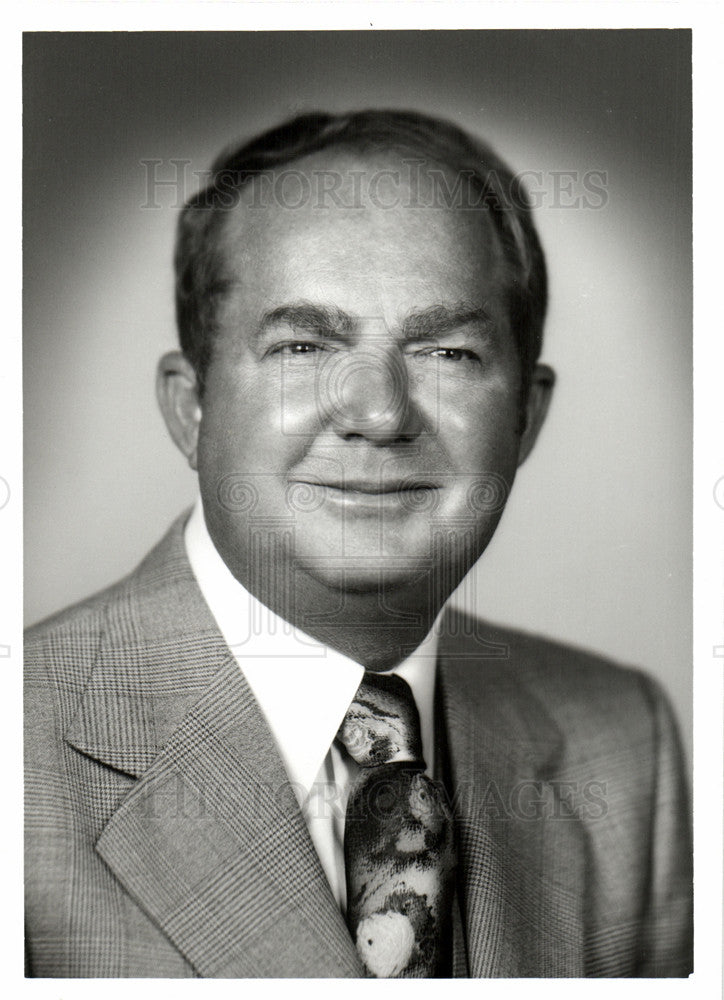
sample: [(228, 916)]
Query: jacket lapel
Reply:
[(521, 857), (210, 841)]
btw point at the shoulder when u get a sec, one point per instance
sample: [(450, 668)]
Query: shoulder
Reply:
[(72, 633), (61, 650), (80, 616), (529, 658), (581, 691), (60, 654)]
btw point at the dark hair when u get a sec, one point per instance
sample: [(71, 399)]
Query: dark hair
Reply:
[(407, 132)]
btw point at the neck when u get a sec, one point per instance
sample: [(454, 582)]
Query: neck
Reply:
[(377, 626)]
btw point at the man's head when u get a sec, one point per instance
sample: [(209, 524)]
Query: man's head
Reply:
[(360, 303)]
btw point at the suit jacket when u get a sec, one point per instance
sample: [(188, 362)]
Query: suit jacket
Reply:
[(163, 838)]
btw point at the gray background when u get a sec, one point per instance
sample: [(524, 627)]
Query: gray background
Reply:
[(595, 546)]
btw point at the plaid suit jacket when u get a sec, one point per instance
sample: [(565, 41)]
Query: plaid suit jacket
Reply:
[(163, 838)]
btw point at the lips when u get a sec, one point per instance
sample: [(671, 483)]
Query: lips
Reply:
[(371, 487), (369, 498)]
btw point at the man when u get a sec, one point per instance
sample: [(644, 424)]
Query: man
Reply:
[(270, 751)]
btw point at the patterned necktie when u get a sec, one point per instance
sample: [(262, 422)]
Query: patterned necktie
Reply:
[(398, 840)]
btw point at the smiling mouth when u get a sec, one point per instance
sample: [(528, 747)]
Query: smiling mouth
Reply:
[(366, 498), (352, 487)]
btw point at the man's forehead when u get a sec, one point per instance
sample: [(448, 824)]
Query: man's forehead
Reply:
[(396, 203)]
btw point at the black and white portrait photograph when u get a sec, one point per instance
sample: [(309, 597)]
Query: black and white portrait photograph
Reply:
[(357, 500)]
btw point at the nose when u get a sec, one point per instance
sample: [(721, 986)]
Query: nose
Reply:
[(367, 394)]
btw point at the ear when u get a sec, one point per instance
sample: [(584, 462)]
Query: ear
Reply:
[(539, 397), (178, 397)]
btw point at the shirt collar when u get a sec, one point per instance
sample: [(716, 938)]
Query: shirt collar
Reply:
[(303, 687)]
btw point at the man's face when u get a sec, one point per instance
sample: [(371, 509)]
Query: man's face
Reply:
[(359, 420)]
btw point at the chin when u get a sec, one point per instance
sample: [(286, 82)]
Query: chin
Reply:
[(352, 575)]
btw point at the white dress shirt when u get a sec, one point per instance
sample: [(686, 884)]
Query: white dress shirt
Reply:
[(303, 689)]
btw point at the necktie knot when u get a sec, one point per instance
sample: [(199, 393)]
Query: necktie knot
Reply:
[(382, 725)]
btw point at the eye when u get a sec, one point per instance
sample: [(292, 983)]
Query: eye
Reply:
[(296, 348), (452, 354)]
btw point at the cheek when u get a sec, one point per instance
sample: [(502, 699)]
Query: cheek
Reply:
[(269, 406), (247, 443), (479, 430)]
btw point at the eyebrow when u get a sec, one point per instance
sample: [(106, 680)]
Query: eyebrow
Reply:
[(326, 321), (429, 324), (335, 324)]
